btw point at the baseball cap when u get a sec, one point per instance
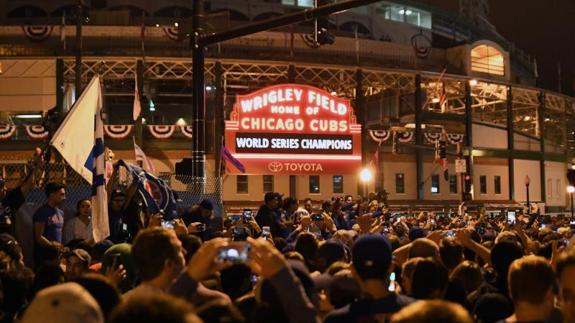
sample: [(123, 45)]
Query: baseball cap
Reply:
[(206, 204), (372, 256), (64, 303), (82, 254), (416, 233)]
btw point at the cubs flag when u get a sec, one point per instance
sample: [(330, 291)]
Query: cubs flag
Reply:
[(157, 195), (141, 156), (82, 146)]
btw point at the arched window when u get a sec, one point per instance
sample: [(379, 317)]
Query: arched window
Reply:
[(487, 59)]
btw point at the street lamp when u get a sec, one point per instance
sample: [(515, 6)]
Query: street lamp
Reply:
[(365, 176), (571, 190), (527, 182)]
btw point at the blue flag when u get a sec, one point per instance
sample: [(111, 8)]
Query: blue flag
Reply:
[(158, 196)]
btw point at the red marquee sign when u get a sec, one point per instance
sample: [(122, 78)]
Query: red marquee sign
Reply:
[(294, 129)]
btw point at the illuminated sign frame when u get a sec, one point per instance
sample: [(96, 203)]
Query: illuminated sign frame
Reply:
[(293, 129)]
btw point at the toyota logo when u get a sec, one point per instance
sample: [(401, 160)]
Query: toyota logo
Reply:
[(275, 167)]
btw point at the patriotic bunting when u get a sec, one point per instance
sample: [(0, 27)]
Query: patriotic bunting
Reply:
[(162, 131), (6, 131), (36, 132), (120, 131)]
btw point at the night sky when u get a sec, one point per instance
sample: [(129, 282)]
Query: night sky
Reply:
[(544, 28)]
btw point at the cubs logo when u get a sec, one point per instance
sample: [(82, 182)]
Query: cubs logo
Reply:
[(275, 167), (155, 191)]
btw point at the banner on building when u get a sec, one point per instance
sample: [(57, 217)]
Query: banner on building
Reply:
[(294, 129)]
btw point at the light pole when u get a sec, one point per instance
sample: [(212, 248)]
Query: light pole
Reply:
[(571, 190), (527, 182)]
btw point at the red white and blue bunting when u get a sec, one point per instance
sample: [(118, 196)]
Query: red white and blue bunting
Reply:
[(432, 137), (6, 131), (380, 136), (37, 33), (118, 131), (36, 132), (172, 33), (404, 137), (455, 138), (162, 131), (187, 131)]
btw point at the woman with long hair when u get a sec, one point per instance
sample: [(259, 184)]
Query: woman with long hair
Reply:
[(80, 226)]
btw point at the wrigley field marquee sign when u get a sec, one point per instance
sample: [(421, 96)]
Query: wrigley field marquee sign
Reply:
[(294, 129)]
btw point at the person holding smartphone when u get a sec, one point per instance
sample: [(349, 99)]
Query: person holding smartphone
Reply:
[(201, 220)]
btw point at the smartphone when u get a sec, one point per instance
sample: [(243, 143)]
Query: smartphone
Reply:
[(237, 253), (235, 217), (247, 215), (116, 261), (266, 233), (450, 234), (391, 287), (317, 217), (240, 234), (511, 217), (543, 226), (168, 224), (124, 227)]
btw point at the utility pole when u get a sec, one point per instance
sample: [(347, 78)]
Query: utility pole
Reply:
[(78, 67), (199, 43)]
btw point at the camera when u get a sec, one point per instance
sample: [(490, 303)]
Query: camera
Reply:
[(168, 224), (511, 217), (237, 253), (247, 215), (317, 217), (240, 233), (266, 233), (235, 217)]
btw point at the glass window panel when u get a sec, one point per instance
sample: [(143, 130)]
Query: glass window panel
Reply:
[(338, 184), (314, 184), (435, 184), (483, 184), (399, 183), (488, 60), (241, 184), (453, 184), (497, 184), (268, 183)]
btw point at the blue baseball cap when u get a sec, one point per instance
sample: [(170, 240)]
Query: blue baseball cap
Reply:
[(372, 256)]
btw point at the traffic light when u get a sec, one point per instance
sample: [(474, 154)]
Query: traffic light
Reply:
[(184, 170), (323, 36)]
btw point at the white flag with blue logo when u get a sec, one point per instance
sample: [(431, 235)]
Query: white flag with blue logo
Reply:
[(74, 139), (80, 141)]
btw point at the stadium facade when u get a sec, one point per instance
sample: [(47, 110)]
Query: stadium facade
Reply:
[(420, 82)]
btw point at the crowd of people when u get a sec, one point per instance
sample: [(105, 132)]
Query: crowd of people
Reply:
[(342, 260)]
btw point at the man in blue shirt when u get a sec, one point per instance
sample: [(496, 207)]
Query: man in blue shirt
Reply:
[(49, 220)]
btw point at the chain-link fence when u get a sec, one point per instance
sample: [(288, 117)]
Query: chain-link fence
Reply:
[(186, 188)]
